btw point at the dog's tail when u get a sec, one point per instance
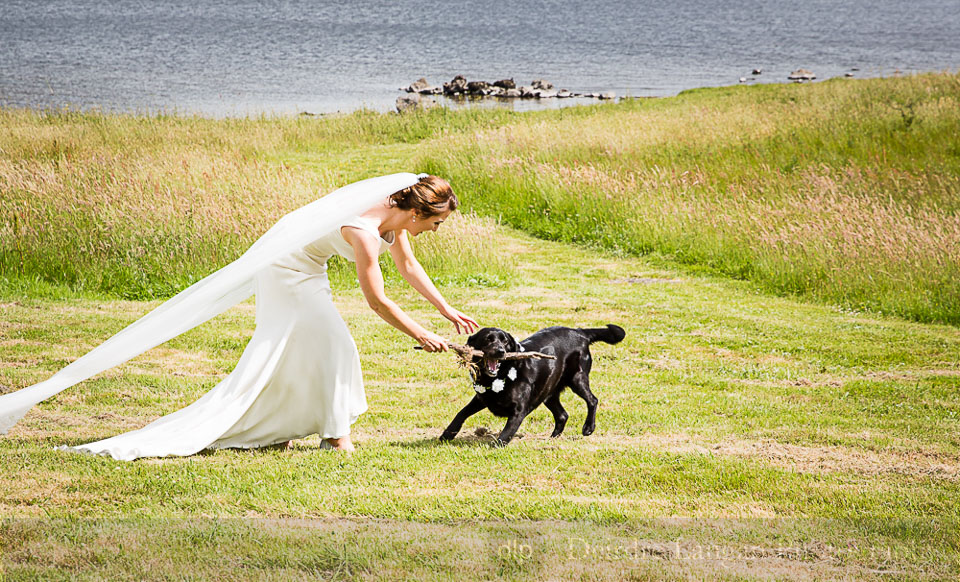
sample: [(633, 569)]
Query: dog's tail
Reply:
[(611, 334)]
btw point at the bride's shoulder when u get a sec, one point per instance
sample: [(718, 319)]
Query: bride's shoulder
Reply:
[(360, 230)]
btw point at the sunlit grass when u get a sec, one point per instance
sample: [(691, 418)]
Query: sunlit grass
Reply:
[(141, 207), (775, 422), (845, 192)]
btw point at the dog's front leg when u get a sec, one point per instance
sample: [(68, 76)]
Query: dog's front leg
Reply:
[(472, 407), (510, 429)]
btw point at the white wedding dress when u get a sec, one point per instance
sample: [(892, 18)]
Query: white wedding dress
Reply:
[(299, 374)]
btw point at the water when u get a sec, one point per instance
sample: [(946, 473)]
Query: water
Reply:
[(239, 57)]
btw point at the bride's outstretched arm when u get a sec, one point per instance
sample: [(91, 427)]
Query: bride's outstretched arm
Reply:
[(365, 250), (412, 271)]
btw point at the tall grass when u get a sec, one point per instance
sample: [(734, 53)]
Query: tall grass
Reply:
[(843, 191), (141, 207)]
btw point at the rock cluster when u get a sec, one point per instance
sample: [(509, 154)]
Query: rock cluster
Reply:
[(802, 75), (506, 88)]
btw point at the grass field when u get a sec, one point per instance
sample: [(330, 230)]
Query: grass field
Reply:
[(741, 435), (843, 192)]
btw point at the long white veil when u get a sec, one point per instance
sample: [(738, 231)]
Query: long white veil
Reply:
[(212, 295)]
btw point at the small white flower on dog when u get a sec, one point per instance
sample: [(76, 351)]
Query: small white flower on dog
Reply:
[(479, 388), (498, 385), (512, 374)]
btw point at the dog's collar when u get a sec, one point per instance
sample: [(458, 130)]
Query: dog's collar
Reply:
[(498, 383)]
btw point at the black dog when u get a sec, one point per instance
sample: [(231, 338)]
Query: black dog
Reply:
[(514, 388)]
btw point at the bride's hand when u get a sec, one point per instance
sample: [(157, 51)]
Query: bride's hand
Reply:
[(463, 322), (431, 342)]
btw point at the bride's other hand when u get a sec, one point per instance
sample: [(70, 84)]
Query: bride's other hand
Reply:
[(431, 342), (463, 322)]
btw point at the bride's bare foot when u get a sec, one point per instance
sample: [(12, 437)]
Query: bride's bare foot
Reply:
[(340, 444)]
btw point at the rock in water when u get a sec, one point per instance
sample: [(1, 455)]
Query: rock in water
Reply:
[(418, 85), (607, 95), (802, 75), (457, 86), (756, 71), (477, 87), (505, 84), (414, 102), (542, 85)]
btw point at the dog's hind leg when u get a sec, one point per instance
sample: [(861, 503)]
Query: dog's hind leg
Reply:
[(559, 414), (580, 385), (472, 407)]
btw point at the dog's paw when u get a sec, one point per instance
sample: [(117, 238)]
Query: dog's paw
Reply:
[(588, 430), (447, 436)]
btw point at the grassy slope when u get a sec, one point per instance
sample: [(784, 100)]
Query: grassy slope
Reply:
[(797, 440), (843, 192), (846, 192)]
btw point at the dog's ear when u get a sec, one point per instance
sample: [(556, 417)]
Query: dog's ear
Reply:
[(514, 345), (479, 338)]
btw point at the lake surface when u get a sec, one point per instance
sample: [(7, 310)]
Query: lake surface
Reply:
[(239, 57)]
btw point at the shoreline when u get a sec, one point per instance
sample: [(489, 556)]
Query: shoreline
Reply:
[(386, 103)]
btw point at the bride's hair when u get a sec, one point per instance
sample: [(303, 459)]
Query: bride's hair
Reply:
[(428, 197)]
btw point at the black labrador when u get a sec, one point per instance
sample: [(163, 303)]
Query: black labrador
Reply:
[(515, 388)]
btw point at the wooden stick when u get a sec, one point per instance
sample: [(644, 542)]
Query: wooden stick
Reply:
[(466, 352)]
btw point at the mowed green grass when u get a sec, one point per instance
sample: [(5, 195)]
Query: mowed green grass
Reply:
[(790, 436)]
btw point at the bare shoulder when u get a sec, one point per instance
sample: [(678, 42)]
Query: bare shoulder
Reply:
[(360, 239)]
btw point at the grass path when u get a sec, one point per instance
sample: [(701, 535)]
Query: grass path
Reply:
[(790, 440)]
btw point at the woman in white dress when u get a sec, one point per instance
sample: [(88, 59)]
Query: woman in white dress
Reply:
[(300, 373)]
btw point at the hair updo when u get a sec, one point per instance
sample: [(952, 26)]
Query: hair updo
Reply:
[(430, 196)]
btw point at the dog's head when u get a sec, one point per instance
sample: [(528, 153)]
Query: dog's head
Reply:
[(494, 343)]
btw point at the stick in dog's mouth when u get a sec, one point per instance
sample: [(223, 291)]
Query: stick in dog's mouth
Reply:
[(466, 352)]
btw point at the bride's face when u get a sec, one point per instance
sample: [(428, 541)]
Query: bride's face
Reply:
[(418, 224)]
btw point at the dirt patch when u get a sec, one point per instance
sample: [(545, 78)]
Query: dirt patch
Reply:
[(805, 458), (816, 459), (646, 280), (175, 362), (44, 424), (665, 363), (801, 458), (530, 549), (912, 375), (25, 363)]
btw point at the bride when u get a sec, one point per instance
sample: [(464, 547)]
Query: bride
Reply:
[(300, 372)]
